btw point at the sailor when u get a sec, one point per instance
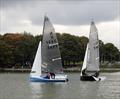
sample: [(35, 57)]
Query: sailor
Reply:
[(84, 73), (48, 75), (96, 74), (52, 75)]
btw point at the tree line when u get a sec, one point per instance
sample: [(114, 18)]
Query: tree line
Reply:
[(18, 50)]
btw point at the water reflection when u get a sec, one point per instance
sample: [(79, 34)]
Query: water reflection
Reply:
[(46, 90), (89, 90)]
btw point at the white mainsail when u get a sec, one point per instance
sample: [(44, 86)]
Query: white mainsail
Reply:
[(36, 68), (93, 47), (91, 59)]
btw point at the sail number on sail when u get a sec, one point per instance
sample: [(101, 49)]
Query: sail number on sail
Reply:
[(52, 43)]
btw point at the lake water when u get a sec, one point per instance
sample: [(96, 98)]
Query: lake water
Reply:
[(17, 86)]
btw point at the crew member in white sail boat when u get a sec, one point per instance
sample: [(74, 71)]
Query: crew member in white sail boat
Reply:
[(84, 72), (50, 75), (96, 74)]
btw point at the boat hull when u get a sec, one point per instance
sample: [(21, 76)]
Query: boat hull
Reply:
[(44, 79), (89, 78)]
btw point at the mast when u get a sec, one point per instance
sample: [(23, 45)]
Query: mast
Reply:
[(43, 26)]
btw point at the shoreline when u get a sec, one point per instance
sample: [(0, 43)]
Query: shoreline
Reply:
[(69, 70)]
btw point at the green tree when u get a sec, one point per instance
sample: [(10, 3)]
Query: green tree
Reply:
[(19, 49), (6, 57), (111, 53)]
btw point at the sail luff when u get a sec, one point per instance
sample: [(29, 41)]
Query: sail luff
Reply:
[(43, 28)]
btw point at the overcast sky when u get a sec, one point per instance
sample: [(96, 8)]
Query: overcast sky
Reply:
[(67, 16)]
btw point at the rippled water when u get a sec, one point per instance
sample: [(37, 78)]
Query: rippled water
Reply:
[(17, 86)]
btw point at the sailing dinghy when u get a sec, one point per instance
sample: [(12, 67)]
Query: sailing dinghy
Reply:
[(48, 58), (90, 69)]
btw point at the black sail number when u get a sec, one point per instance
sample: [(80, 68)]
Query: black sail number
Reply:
[(52, 43)]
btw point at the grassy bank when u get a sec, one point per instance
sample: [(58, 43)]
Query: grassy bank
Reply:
[(73, 69), (101, 70)]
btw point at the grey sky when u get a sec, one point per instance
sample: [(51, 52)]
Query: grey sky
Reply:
[(61, 12)]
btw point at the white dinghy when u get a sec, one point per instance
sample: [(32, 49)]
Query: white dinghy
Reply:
[(90, 69), (48, 58)]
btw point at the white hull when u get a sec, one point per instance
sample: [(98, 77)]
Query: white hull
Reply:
[(58, 78)]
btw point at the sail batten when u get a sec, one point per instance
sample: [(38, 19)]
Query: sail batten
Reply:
[(56, 59)]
